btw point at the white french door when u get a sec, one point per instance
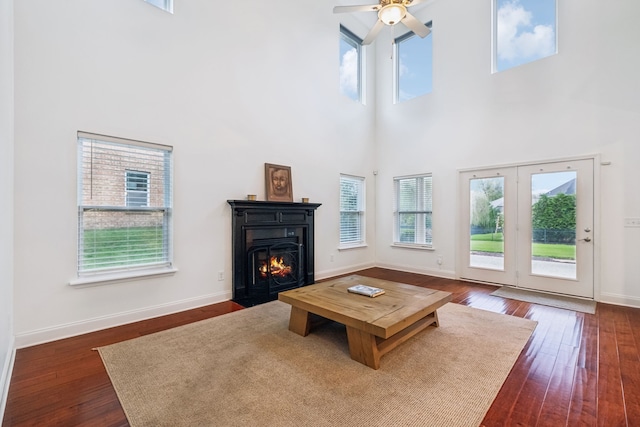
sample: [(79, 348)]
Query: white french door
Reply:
[(529, 226)]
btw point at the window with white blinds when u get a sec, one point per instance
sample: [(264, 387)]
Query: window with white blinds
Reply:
[(351, 211), (124, 204), (413, 210)]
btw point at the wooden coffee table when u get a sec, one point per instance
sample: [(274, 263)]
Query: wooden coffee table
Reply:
[(376, 325)]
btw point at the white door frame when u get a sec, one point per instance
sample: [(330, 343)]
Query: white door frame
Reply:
[(507, 274), (462, 235)]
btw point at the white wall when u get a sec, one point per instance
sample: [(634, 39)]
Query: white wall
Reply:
[(582, 101), (263, 88), (6, 197), (228, 94)]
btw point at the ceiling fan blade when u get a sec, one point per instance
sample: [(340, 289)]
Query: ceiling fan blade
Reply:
[(416, 26), (365, 8), (373, 32)]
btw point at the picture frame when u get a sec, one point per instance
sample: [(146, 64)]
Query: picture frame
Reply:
[(279, 187)]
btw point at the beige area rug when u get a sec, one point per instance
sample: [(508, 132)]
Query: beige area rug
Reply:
[(247, 369), (559, 301)]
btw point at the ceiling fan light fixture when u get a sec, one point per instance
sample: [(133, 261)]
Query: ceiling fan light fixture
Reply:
[(392, 13)]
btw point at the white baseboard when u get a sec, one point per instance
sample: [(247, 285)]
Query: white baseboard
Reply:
[(54, 333), (618, 299), (445, 274), (5, 378), (320, 275)]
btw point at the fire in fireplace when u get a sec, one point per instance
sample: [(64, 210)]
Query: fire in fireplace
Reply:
[(275, 263), (272, 249), (275, 267)]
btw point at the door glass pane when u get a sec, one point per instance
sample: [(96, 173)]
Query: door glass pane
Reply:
[(553, 224), (487, 223)]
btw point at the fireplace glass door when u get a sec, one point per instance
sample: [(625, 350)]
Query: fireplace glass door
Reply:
[(274, 266)]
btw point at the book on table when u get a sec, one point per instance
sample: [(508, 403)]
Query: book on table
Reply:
[(369, 291)]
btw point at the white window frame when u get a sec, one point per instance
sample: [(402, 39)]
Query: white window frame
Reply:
[(359, 238), (103, 163), (422, 211), (397, 42), (356, 42)]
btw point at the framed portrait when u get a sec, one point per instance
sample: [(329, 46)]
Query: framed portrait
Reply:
[(278, 183)]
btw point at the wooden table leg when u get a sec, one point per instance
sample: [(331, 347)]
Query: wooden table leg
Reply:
[(299, 321), (367, 349), (436, 322), (363, 347)]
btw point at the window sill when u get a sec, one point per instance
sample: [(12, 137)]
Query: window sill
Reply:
[(354, 246), (100, 279), (418, 246)]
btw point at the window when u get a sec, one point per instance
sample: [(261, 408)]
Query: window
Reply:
[(137, 184), (351, 211), (413, 210), (124, 204), (350, 64), (413, 68), (162, 4), (523, 31)]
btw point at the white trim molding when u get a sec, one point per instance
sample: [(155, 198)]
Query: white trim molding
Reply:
[(445, 274), (5, 378), (321, 275), (67, 330), (617, 299)]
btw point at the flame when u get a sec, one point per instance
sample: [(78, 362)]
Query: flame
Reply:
[(276, 267)]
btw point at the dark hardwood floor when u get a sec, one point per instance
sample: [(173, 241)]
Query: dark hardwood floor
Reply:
[(576, 370)]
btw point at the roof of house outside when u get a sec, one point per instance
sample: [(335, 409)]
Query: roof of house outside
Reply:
[(568, 187)]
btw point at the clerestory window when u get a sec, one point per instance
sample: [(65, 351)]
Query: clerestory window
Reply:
[(523, 31), (350, 64), (413, 66), (162, 4)]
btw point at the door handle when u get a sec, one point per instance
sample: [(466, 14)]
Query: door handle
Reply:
[(586, 239)]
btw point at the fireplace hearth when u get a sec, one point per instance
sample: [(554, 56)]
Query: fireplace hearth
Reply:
[(273, 248)]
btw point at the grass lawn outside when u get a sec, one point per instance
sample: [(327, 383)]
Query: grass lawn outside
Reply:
[(112, 247), (493, 242)]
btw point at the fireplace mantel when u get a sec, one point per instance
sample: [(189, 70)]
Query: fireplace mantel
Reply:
[(254, 225), (243, 205)]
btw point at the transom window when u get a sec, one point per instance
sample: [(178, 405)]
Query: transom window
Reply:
[(351, 211), (350, 64), (413, 210), (124, 204), (523, 31), (413, 66)]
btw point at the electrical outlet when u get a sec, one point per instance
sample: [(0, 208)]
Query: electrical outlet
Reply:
[(439, 260), (632, 222), (331, 258), (220, 276)]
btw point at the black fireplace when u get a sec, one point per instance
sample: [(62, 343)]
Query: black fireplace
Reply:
[(272, 248)]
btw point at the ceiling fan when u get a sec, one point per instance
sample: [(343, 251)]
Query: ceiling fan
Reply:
[(390, 12)]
